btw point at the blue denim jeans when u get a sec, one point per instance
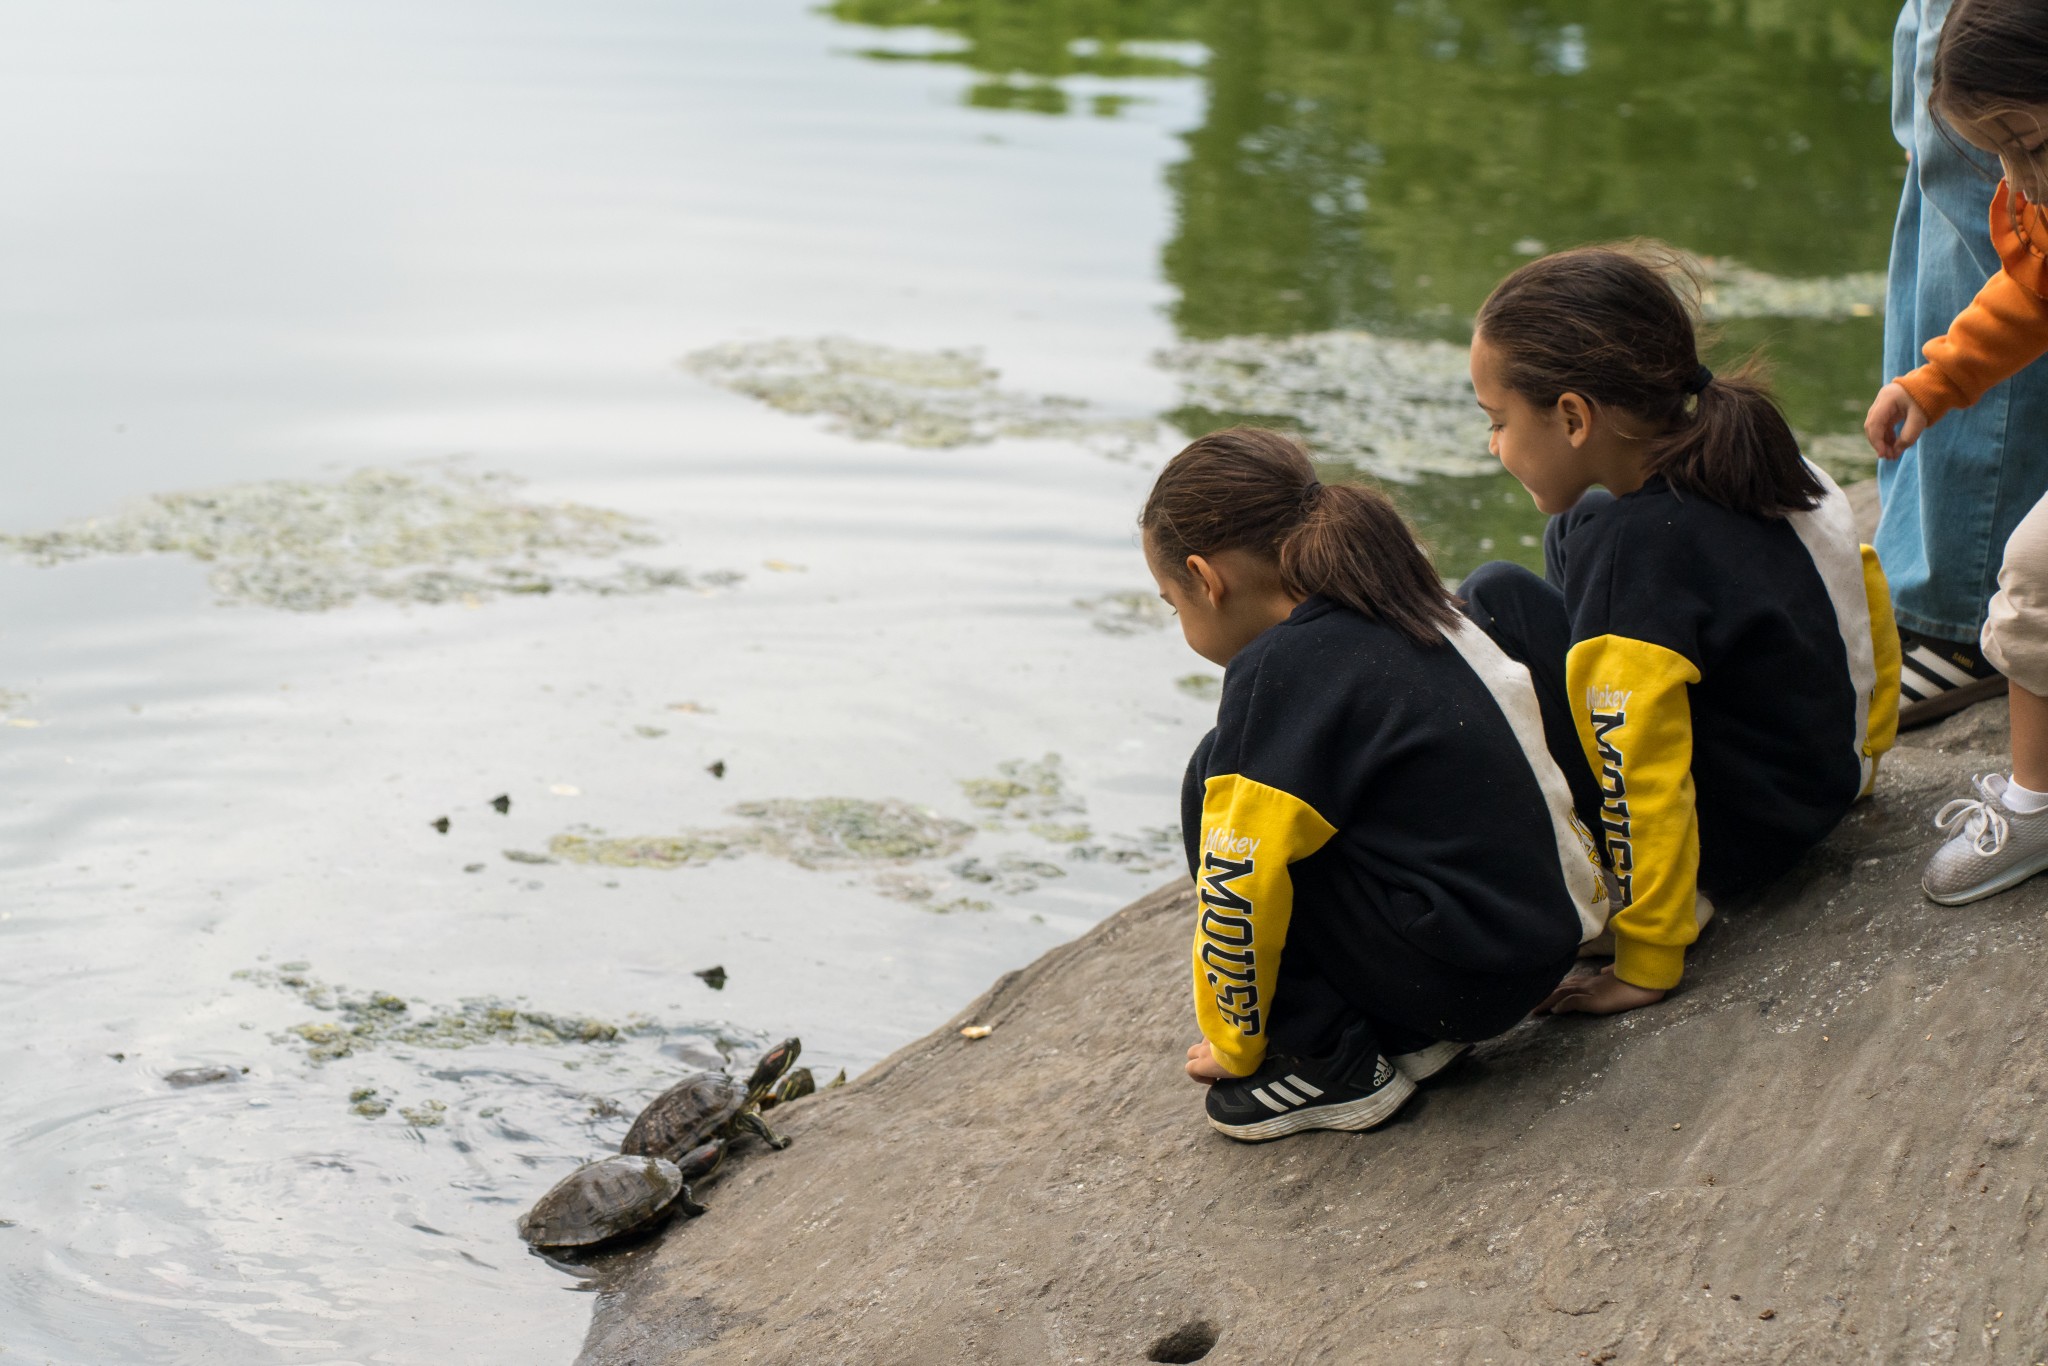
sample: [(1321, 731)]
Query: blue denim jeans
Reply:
[(1952, 500)]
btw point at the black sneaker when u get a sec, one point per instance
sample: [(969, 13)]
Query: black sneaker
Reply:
[(1940, 677), (1353, 1088)]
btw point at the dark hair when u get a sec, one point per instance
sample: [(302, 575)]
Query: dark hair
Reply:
[(1252, 489), (1993, 56), (1610, 325)]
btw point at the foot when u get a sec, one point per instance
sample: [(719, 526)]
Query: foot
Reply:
[(1940, 677), (1353, 1088), (1991, 847), (1425, 1063)]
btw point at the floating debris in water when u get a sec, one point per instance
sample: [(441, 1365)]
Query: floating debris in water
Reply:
[(693, 708), (1201, 687), (565, 789), (785, 567), (472, 867), (716, 768), (1732, 290), (201, 1076), (1127, 613), (713, 977), (502, 803), (1393, 407), (365, 1102), (649, 732), (927, 399), (370, 1019), (439, 823), (525, 856), (1031, 795), (445, 535)]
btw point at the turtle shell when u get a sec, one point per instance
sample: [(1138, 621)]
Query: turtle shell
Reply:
[(685, 1115), (601, 1200)]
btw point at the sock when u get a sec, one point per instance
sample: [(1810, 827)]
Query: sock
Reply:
[(2023, 801)]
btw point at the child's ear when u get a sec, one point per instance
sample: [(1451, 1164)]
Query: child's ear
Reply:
[(1207, 581), (1578, 418)]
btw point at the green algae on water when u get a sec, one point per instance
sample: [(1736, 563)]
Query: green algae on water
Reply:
[(365, 1020), (1128, 613), (435, 535), (649, 851), (828, 831), (929, 399), (1201, 687)]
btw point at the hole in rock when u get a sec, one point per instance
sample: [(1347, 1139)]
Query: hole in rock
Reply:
[(1189, 1342)]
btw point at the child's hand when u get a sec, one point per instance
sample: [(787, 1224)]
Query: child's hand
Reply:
[(1202, 1064), (1604, 994), (1894, 422)]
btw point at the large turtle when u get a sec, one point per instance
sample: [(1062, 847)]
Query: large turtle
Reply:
[(698, 1117), (614, 1195)]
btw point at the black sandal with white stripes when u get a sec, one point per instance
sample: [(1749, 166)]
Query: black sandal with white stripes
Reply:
[(1938, 678)]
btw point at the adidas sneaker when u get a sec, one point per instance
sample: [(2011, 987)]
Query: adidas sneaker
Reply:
[(1940, 677), (1353, 1088), (1425, 1063)]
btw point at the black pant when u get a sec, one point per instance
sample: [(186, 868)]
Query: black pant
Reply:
[(1337, 971)]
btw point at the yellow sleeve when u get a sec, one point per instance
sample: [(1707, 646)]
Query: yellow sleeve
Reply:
[(1883, 729), (1250, 834), (1635, 722)]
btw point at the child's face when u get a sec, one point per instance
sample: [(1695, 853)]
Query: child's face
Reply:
[(2019, 138), (1534, 444)]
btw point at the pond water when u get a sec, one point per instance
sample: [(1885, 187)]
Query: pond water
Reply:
[(716, 431)]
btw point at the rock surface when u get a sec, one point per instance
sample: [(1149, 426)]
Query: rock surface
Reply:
[(1823, 1148)]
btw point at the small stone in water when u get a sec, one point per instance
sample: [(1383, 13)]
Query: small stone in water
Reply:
[(200, 1076), (716, 768), (440, 823), (714, 977), (502, 803)]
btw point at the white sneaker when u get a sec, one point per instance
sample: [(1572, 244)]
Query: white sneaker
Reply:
[(1990, 847)]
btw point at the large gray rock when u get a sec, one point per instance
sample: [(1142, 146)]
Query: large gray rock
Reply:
[(1824, 1148)]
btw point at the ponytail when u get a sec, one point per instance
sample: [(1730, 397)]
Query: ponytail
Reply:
[(1251, 489), (1612, 326)]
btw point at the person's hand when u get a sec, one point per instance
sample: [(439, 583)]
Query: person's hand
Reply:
[(1894, 422), (1202, 1064), (1599, 993)]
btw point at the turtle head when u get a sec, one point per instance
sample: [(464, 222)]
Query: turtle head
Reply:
[(769, 1070)]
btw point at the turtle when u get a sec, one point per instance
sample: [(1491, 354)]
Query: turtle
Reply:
[(706, 1111), (796, 1082), (601, 1200)]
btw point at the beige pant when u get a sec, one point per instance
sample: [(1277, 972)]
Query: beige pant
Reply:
[(2015, 636)]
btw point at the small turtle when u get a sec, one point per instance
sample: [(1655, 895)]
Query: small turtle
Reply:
[(707, 1111), (601, 1200), (795, 1083)]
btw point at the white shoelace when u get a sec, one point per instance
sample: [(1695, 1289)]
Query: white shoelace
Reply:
[(1981, 821)]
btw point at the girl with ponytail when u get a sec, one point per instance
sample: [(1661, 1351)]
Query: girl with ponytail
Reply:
[(1731, 665), (1387, 860)]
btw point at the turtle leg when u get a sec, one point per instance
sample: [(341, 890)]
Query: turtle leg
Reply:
[(686, 1201), (754, 1124)]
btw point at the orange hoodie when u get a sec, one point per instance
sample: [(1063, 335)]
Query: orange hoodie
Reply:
[(2004, 329)]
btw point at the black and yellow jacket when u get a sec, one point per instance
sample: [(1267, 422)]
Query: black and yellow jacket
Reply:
[(1353, 771), (1734, 680)]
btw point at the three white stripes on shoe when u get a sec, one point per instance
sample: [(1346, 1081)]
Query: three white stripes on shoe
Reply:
[(1280, 1089), (1924, 674)]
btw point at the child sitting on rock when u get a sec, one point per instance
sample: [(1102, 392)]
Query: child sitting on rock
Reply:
[(1732, 668), (1387, 860), (1991, 87)]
